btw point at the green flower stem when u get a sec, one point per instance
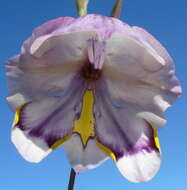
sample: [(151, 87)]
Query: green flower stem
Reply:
[(116, 11), (82, 7)]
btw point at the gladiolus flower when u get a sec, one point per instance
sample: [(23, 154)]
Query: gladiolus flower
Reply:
[(96, 87)]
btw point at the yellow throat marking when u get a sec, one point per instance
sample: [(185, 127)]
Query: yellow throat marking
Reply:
[(107, 150), (84, 126), (17, 114), (157, 143)]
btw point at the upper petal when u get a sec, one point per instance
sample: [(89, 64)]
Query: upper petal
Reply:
[(130, 64), (105, 26), (59, 60), (46, 28), (135, 53), (69, 45), (150, 42)]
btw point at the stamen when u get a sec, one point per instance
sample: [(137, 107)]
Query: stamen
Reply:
[(96, 52)]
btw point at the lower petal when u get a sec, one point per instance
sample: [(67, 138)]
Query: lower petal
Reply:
[(83, 158)]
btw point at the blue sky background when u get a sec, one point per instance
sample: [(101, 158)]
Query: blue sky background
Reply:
[(165, 19)]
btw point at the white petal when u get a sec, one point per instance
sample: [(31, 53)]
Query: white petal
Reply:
[(139, 167), (31, 149), (83, 159)]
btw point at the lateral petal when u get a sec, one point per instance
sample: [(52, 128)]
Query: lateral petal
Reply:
[(39, 125), (129, 137)]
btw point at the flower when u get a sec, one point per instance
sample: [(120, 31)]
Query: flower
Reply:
[(96, 87)]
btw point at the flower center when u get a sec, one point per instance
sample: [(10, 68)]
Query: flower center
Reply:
[(89, 72)]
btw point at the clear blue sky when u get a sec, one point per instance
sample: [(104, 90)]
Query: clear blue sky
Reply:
[(165, 19)]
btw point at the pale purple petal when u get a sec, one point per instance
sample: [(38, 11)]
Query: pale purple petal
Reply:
[(138, 75), (52, 72), (168, 73), (129, 137), (117, 124), (46, 28), (150, 42), (103, 25), (42, 123)]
